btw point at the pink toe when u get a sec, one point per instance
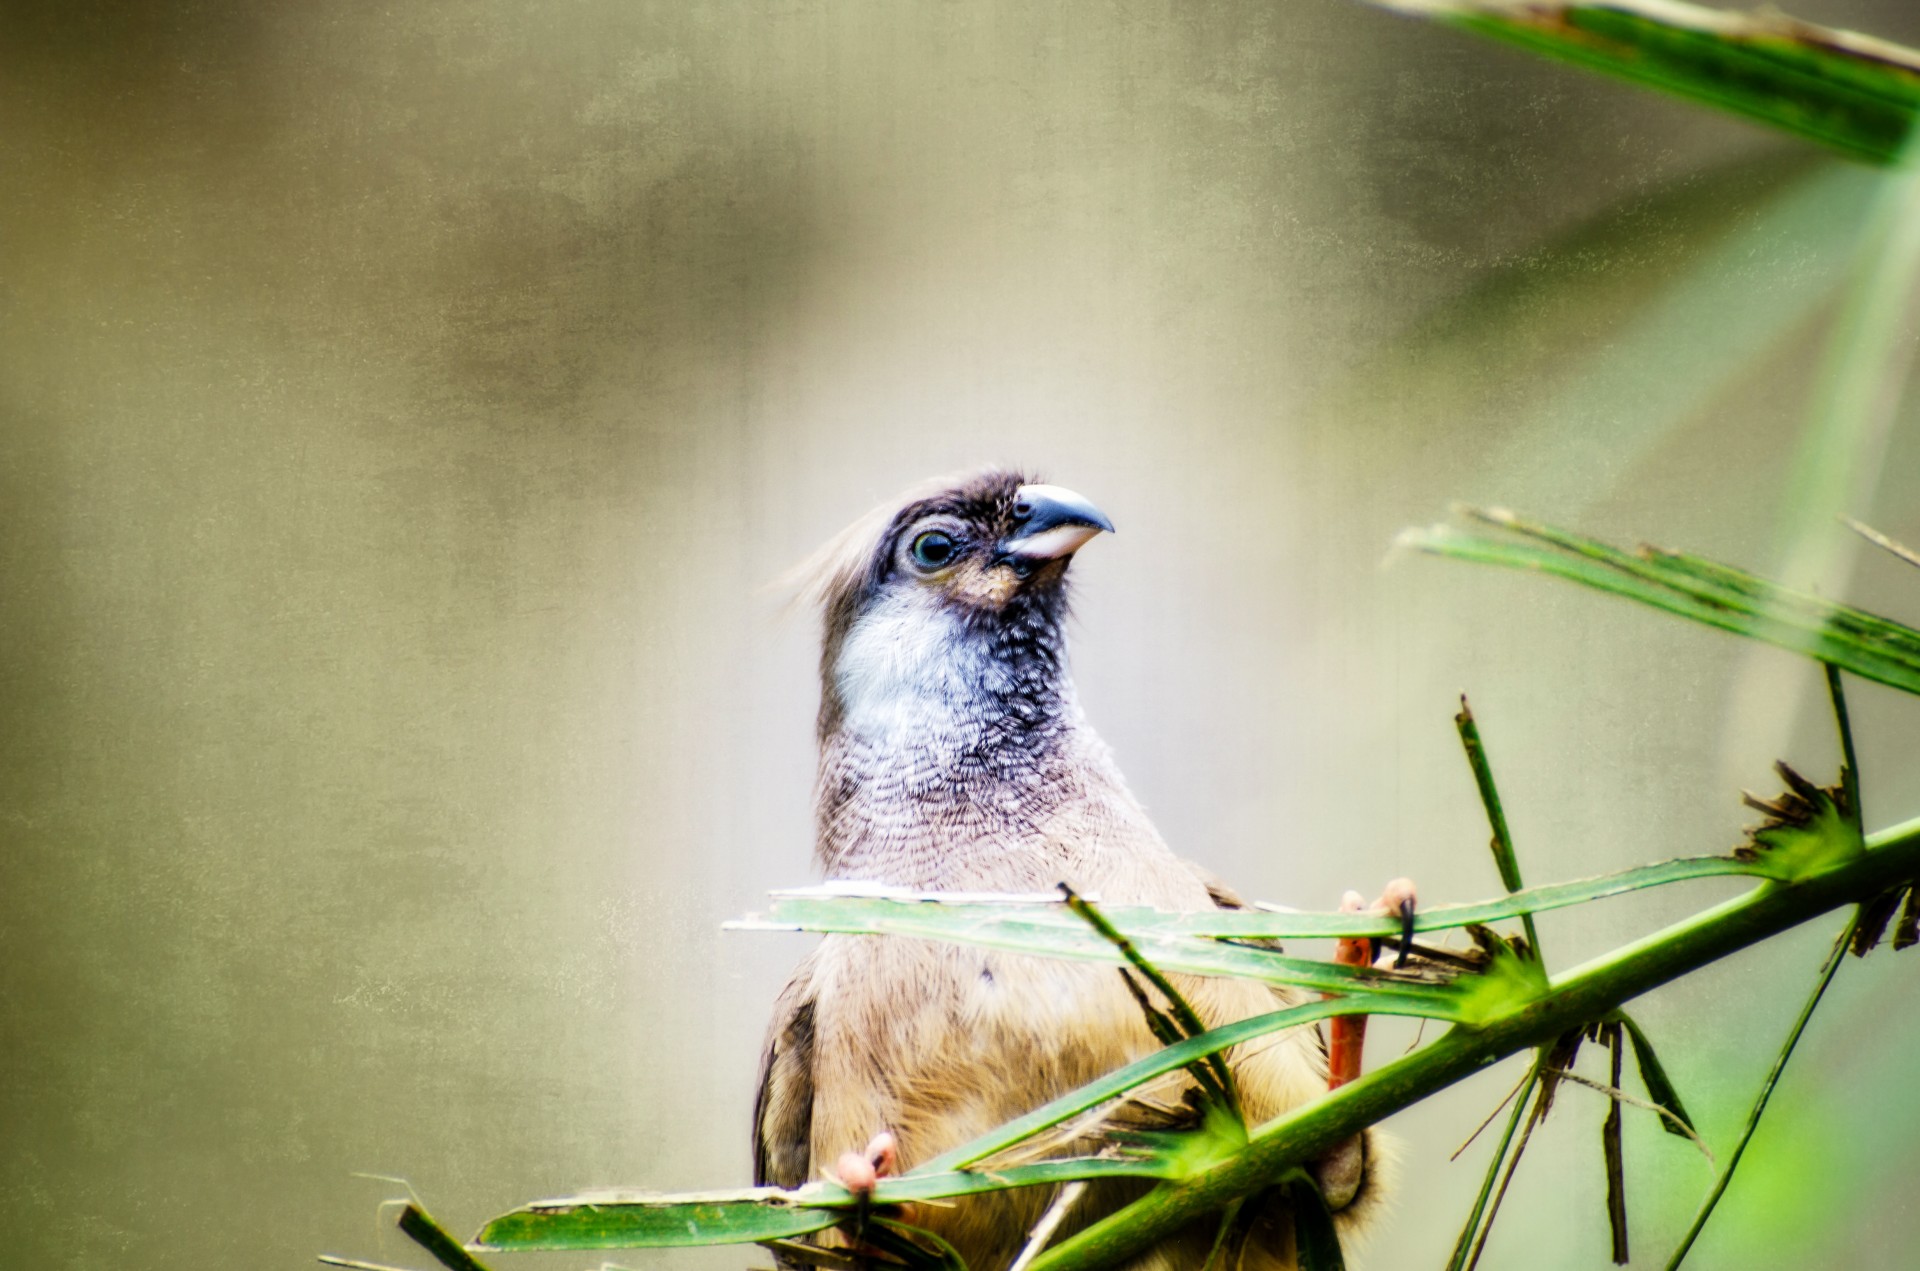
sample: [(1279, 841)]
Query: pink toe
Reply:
[(856, 1173), (1398, 895)]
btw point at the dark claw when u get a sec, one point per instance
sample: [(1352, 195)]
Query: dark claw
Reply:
[(1406, 933)]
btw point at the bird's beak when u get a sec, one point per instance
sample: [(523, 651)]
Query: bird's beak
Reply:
[(1051, 522)]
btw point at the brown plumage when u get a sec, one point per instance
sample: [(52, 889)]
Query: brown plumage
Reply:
[(954, 756)]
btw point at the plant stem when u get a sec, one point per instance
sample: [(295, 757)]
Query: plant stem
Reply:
[(1535, 1115), (1850, 763), (1580, 996), (1504, 857), (1520, 1101), (1766, 1092), (1508, 863), (1183, 1012)]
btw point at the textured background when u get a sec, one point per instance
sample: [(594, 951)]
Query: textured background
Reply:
[(404, 409)]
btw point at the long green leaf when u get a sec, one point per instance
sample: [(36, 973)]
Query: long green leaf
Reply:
[(1870, 646), (884, 911), (615, 1220), (1856, 94), (1026, 928), (620, 1221), (1137, 1073)]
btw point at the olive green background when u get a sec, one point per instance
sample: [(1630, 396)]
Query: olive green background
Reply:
[(406, 410)]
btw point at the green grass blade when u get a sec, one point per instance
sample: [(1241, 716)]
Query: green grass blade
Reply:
[(1508, 863), (1213, 1074), (1858, 95), (1165, 1161), (1871, 647), (1834, 958), (1849, 760), (1314, 1233), (1041, 925), (1720, 585), (616, 1221), (1504, 858), (1535, 1115), (1653, 1075), (1024, 928), (1121, 1080), (916, 1246), (431, 1236), (1522, 1107), (656, 1222), (625, 1221)]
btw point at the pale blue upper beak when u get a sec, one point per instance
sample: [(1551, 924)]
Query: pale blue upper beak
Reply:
[(1051, 522)]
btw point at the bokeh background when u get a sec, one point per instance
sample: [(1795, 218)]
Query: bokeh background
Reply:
[(405, 409)]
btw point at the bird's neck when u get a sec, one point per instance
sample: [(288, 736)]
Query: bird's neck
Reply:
[(936, 738)]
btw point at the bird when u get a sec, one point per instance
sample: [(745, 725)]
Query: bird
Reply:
[(954, 756)]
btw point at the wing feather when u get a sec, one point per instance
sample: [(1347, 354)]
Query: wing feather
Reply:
[(783, 1109)]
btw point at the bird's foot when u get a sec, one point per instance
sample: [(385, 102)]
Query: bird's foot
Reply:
[(1400, 900), (1347, 1034), (1341, 1172), (860, 1172)]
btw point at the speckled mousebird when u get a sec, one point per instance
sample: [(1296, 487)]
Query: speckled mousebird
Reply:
[(954, 756)]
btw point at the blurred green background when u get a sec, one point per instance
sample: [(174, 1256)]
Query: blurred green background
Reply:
[(404, 409)]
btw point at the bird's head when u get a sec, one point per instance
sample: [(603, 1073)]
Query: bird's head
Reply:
[(950, 598)]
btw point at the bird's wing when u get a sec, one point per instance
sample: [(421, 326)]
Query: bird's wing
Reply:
[(1222, 892), (1225, 897), (783, 1110)]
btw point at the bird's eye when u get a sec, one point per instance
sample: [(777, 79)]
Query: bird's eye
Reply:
[(932, 549)]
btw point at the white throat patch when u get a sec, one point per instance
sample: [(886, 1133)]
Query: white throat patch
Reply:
[(906, 665)]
